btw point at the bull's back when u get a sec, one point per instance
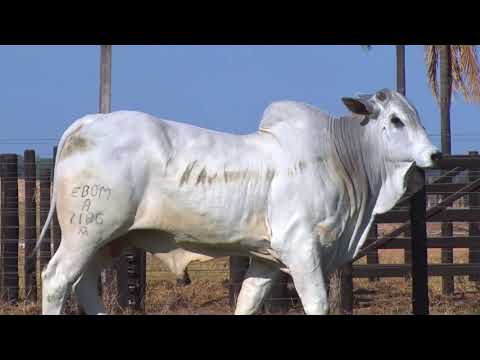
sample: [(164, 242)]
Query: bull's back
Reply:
[(213, 189), (199, 185)]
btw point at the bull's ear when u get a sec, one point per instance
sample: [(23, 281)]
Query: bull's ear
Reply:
[(358, 106)]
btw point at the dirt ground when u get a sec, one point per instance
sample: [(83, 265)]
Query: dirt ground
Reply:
[(209, 295)]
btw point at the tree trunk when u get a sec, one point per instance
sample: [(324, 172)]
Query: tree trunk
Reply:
[(401, 82), (445, 101), (445, 96)]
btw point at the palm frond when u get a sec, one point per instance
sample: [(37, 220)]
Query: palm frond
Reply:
[(458, 83), (431, 60), (471, 71)]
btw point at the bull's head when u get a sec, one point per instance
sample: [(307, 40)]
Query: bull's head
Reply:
[(398, 126)]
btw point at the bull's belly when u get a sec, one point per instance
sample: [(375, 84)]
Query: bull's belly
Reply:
[(248, 248), (202, 241), (213, 231), (157, 241)]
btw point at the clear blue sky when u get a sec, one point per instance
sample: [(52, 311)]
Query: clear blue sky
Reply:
[(45, 88)]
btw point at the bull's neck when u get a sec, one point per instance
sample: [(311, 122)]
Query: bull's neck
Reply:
[(375, 184), (356, 148), (362, 173)]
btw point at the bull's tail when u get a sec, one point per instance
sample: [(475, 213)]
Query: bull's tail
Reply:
[(53, 201)]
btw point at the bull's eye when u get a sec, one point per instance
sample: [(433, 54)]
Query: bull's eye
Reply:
[(397, 122)]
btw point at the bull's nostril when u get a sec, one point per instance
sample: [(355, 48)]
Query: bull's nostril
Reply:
[(436, 156)]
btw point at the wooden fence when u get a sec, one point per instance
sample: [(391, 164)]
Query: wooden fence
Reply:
[(22, 216), (456, 181), (459, 180)]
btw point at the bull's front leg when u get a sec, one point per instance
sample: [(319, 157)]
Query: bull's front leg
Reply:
[(304, 263), (256, 286)]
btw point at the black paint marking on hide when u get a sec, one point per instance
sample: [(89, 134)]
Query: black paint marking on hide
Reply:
[(85, 190), (86, 205), (97, 191), (75, 191), (94, 190), (104, 189), (99, 218), (87, 218)]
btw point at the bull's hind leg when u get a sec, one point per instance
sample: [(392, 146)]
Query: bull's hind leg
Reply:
[(93, 209), (61, 273), (256, 286), (86, 287)]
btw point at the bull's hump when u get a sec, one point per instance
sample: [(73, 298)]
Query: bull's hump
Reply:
[(293, 112)]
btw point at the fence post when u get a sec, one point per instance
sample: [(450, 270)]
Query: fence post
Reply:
[(407, 253), (238, 269), (419, 252), (372, 256), (341, 291), (9, 228), (30, 225), (45, 247), (474, 228), (448, 284)]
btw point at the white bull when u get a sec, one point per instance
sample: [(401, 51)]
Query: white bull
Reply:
[(297, 196)]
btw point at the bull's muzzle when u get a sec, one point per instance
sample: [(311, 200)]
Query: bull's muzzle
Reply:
[(436, 157)]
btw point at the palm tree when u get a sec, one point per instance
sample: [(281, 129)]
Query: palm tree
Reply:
[(459, 71)]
